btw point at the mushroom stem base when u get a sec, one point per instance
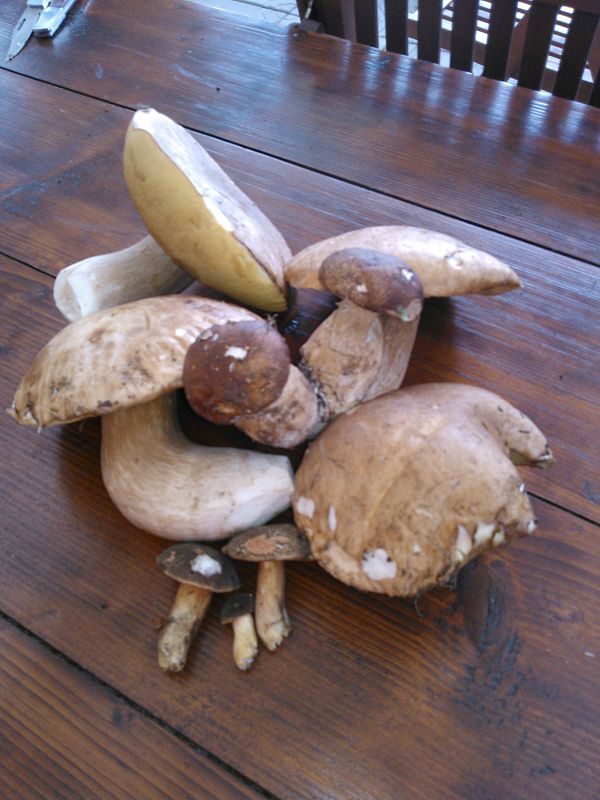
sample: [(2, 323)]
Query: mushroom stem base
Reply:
[(245, 643), (272, 622), (189, 609)]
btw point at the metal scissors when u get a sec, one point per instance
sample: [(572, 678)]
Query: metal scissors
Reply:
[(40, 18)]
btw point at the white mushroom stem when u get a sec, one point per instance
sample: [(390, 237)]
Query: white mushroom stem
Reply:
[(291, 419), (104, 281), (245, 643), (356, 354), (189, 609), (167, 485), (272, 622)]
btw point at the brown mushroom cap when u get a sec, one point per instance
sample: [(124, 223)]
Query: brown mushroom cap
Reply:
[(199, 565), (237, 605), (235, 370), (277, 542), (399, 494), (376, 281)]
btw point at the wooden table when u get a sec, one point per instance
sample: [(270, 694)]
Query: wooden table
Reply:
[(487, 692)]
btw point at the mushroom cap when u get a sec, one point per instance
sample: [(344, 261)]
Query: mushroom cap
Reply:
[(276, 542), (373, 280), (400, 493), (199, 565), (199, 216), (116, 358), (445, 265), (237, 605), (235, 369)]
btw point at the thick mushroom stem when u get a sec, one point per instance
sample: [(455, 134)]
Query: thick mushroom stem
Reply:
[(111, 279), (245, 643), (189, 609), (272, 621)]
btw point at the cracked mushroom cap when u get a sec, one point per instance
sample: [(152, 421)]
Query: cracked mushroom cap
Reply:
[(400, 493), (445, 265), (199, 565), (276, 542), (116, 358)]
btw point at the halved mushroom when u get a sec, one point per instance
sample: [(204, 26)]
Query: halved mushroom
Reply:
[(271, 546), (362, 349), (200, 571), (123, 364), (199, 216), (238, 611), (400, 494), (104, 281)]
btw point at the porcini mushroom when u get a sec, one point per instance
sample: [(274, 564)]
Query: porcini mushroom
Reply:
[(399, 495), (240, 373), (200, 571), (123, 364), (199, 216), (271, 546), (103, 281), (362, 349), (238, 611)]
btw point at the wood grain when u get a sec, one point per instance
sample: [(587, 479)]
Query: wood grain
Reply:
[(478, 150), (489, 692), (76, 205), (64, 735)]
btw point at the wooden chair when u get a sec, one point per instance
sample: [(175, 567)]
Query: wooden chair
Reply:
[(510, 38)]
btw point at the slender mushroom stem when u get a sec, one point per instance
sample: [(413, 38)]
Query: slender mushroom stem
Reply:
[(272, 622), (245, 643), (189, 609)]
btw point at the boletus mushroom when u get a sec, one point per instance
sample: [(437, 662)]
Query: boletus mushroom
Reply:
[(200, 572), (124, 364), (200, 218), (270, 546), (404, 491), (238, 611), (381, 274)]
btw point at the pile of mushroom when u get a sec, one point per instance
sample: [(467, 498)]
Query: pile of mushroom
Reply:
[(397, 489)]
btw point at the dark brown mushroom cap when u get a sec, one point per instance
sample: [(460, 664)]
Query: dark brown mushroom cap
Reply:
[(199, 565), (269, 543), (237, 605), (376, 281), (235, 370)]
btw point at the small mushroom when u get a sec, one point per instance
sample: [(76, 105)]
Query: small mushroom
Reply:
[(270, 545), (238, 611), (200, 571)]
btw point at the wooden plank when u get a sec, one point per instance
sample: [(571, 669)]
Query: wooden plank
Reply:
[(540, 25), (396, 31), (483, 340), (575, 53), (500, 31), (462, 42), (64, 735), (429, 25), (435, 137), (491, 692), (367, 23)]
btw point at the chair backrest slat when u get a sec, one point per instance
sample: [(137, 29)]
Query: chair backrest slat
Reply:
[(462, 42), (595, 95), (502, 21), (574, 56), (367, 23), (396, 27), (429, 26), (540, 24)]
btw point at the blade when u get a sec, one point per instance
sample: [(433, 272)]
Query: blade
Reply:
[(22, 31)]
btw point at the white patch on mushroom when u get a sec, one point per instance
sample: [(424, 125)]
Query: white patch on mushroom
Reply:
[(484, 533), (378, 566), (499, 538), (361, 288), (305, 506), (463, 545), (331, 519), (589, 654), (531, 526), (407, 274), (206, 565), (416, 549), (522, 488), (239, 353)]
